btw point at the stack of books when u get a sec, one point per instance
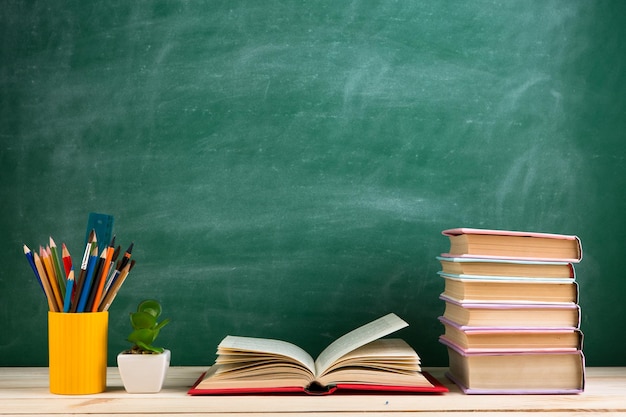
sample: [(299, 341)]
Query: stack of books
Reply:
[(512, 319)]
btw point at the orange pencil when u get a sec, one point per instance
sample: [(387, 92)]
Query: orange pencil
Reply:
[(103, 276), (44, 255), (45, 282)]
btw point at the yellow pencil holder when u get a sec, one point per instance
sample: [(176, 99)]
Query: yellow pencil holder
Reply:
[(77, 346)]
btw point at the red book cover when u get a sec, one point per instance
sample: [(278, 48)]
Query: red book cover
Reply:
[(437, 388)]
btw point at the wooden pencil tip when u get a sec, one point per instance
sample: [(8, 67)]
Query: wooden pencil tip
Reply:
[(52, 243), (116, 252), (26, 250)]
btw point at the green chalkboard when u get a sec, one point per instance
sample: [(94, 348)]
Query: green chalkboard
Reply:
[(285, 168)]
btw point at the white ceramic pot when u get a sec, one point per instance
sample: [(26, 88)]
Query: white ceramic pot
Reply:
[(143, 374)]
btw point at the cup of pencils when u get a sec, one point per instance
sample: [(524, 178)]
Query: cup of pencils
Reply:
[(78, 315)]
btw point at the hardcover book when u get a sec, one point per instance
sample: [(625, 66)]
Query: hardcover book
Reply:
[(516, 291), (507, 269), (360, 361), (512, 315), (507, 244), (473, 339), (549, 372)]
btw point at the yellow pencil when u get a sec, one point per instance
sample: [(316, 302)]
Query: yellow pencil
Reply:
[(44, 255)]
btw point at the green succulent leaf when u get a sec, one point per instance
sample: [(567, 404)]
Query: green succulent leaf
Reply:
[(150, 348), (145, 325), (146, 336), (151, 307), (162, 324), (142, 320)]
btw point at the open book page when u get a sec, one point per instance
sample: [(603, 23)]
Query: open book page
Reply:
[(394, 355), (381, 362), (265, 376), (238, 345), (357, 338)]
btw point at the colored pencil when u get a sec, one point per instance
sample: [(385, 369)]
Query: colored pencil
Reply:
[(91, 267), (46, 284), (115, 287), (112, 270), (127, 255), (80, 282), (120, 266), (44, 255), (68, 291), (103, 275), (29, 255), (96, 278), (67, 267), (54, 254), (67, 260), (54, 284)]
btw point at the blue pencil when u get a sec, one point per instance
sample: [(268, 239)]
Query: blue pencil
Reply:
[(31, 261), (68, 291), (91, 266)]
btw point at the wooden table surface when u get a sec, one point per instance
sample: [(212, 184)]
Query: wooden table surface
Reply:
[(24, 391)]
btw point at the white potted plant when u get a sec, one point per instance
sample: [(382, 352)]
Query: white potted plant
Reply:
[(143, 367)]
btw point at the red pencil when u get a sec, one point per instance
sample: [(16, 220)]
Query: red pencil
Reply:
[(67, 260)]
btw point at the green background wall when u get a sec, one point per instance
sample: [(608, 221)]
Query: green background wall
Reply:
[(285, 168)]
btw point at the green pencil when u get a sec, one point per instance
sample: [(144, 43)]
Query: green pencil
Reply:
[(57, 267)]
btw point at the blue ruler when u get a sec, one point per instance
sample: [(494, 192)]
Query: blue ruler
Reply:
[(103, 225)]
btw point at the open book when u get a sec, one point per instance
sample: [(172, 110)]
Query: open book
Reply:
[(359, 360)]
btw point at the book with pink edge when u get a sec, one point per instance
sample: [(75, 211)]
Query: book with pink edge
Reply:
[(516, 245), (505, 372), (482, 339), (555, 315)]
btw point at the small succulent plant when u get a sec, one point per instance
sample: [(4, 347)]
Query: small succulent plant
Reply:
[(146, 328)]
